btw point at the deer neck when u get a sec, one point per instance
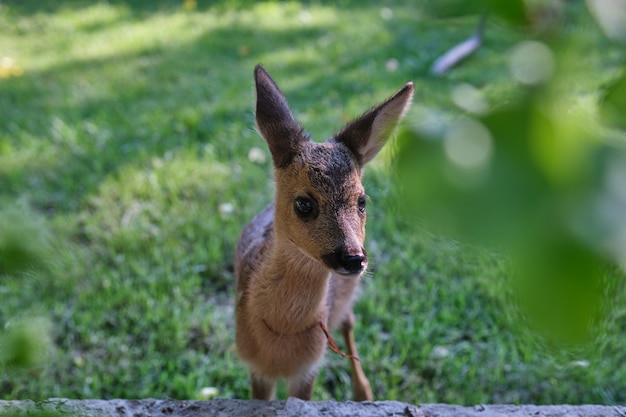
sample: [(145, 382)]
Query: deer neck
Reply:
[(291, 291)]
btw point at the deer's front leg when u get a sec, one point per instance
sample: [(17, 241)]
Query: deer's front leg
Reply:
[(361, 389), (262, 388), (301, 386)]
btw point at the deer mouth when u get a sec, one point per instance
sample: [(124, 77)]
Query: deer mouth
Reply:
[(349, 274)]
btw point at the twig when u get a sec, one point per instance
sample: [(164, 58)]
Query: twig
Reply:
[(460, 51), (333, 345)]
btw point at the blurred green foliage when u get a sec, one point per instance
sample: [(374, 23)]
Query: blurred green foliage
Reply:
[(515, 12), (535, 180), (613, 104), (25, 250), (25, 344), (24, 242)]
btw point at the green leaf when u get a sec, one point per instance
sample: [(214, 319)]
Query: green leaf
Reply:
[(613, 104), (532, 193)]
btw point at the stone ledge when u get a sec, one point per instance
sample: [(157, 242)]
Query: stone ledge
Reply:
[(291, 407)]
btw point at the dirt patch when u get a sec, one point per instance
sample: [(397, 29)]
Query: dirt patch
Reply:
[(291, 407)]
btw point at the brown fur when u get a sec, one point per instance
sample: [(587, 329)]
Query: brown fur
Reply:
[(293, 270)]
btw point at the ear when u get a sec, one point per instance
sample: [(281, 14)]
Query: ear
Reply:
[(366, 135), (275, 121)]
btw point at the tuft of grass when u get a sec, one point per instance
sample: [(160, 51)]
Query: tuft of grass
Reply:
[(127, 129)]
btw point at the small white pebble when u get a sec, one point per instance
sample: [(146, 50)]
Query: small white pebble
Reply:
[(257, 155), (580, 364), (440, 352), (226, 208), (392, 65), (206, 393)]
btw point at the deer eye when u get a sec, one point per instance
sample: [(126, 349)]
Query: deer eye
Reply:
[(303, 207), (361, 204)]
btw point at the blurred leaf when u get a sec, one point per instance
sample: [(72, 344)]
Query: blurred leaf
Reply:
[(496, 201), (452, 8), (25, 344), (530, 196), (24, 243), (613, 104), (512, 11), (559, 286)]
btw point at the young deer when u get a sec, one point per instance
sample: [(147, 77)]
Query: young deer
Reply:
[(299, 261)]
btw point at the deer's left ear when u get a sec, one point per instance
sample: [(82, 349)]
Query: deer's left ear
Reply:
[(366, 135)]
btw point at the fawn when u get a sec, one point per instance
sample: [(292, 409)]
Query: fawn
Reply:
[(299, 261)]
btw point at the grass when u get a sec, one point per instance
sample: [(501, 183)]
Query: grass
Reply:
[(127, 161)]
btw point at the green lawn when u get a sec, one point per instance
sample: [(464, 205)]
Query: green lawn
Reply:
[(129, 164)]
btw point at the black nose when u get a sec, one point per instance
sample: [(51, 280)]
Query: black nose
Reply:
[(346, 262), (351, 263)]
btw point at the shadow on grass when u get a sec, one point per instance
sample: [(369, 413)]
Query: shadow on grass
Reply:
[(160, 98), (139, 8), (144, 8)]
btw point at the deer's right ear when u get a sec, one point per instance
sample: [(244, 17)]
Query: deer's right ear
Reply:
[(274, 120)]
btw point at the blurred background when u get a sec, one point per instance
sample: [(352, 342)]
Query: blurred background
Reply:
[(129, 164)]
